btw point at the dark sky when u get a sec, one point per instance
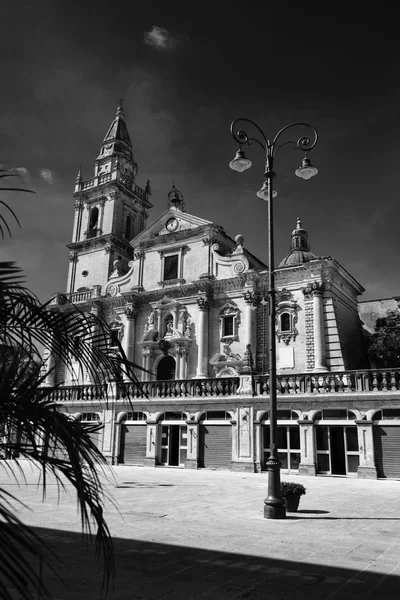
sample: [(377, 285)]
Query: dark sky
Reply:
[(185, 71)]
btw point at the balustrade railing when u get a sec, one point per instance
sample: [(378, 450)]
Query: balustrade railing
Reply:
[(78, 392), (379, 380), (225, 386), (80, 296), (343, 382)]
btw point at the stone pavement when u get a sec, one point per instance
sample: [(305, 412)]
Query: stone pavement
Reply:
[(201, 534)]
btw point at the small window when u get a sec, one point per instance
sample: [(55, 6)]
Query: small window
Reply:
[(171, 267), (228, 322), (93, 221), (227, 326), (128, 227), (114, 338), (286, 324)]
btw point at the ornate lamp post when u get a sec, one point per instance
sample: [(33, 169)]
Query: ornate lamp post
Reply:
[(274, 504)]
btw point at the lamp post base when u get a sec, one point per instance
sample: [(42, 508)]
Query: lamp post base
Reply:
[(274, 512)]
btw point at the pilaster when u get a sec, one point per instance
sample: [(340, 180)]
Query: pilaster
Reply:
[(192, 453), (367, 468), (244, 459), (151, 458), (307, 448)]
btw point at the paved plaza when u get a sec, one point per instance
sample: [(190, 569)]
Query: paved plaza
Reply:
[(183, 534)]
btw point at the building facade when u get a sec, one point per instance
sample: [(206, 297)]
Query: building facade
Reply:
[(189, 304)]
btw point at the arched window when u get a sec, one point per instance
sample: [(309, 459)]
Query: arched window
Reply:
[(134, 416), (128, 227), (166, 369), (93, 222), (215, 415), (173, 416), (286, 322)]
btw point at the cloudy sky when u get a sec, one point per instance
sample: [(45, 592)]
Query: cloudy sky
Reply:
[(185, 71)]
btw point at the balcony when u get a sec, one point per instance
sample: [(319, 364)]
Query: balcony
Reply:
[(362, 382)]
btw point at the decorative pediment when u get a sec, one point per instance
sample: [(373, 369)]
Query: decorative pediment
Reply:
[(171, 221)]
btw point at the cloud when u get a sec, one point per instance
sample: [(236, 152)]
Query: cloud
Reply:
[(20, 171), (160, 38), (47, 175)]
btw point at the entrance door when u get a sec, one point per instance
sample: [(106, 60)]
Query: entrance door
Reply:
[(337, 449), (173, 445), (288, 442)]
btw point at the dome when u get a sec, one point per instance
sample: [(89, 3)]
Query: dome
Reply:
[(299, 249), (296, 258)]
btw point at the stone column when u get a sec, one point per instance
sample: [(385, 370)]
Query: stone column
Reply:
[(367, 468), (192, 453), (178, 363), (250, 306), (183, 364), (307, 464), (152, 444), (146, 364), (129, 340), (202, 337)]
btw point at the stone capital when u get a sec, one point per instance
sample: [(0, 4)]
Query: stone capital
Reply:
[(131, 312), (203, 302), (313, 289)]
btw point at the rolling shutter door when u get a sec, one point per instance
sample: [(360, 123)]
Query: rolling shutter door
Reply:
[(133, 444), (215, 446), (387, 451)]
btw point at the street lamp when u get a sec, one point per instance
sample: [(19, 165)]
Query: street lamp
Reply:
[(274, 503)]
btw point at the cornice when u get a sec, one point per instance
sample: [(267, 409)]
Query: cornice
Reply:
[(108, 239)]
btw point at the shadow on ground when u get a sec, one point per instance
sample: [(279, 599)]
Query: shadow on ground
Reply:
[(146, 570)]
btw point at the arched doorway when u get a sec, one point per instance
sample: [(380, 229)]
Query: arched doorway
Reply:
[(166, 369)]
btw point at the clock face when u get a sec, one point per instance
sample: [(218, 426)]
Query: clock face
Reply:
[(172, 224)]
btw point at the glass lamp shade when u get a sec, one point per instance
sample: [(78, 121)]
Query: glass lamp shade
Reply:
[(263, 192), (306, 171), (240, 162)]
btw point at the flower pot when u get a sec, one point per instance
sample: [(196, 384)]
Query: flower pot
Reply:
[(292, 502)]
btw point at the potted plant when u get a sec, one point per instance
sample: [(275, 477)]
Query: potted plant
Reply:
[(291, 493)]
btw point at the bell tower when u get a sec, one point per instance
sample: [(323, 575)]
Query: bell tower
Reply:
[(110, 210)]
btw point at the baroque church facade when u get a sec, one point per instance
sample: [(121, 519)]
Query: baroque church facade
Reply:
[(188, 304)]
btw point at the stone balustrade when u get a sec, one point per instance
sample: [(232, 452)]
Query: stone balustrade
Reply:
[(342, 382), (78, 393)]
